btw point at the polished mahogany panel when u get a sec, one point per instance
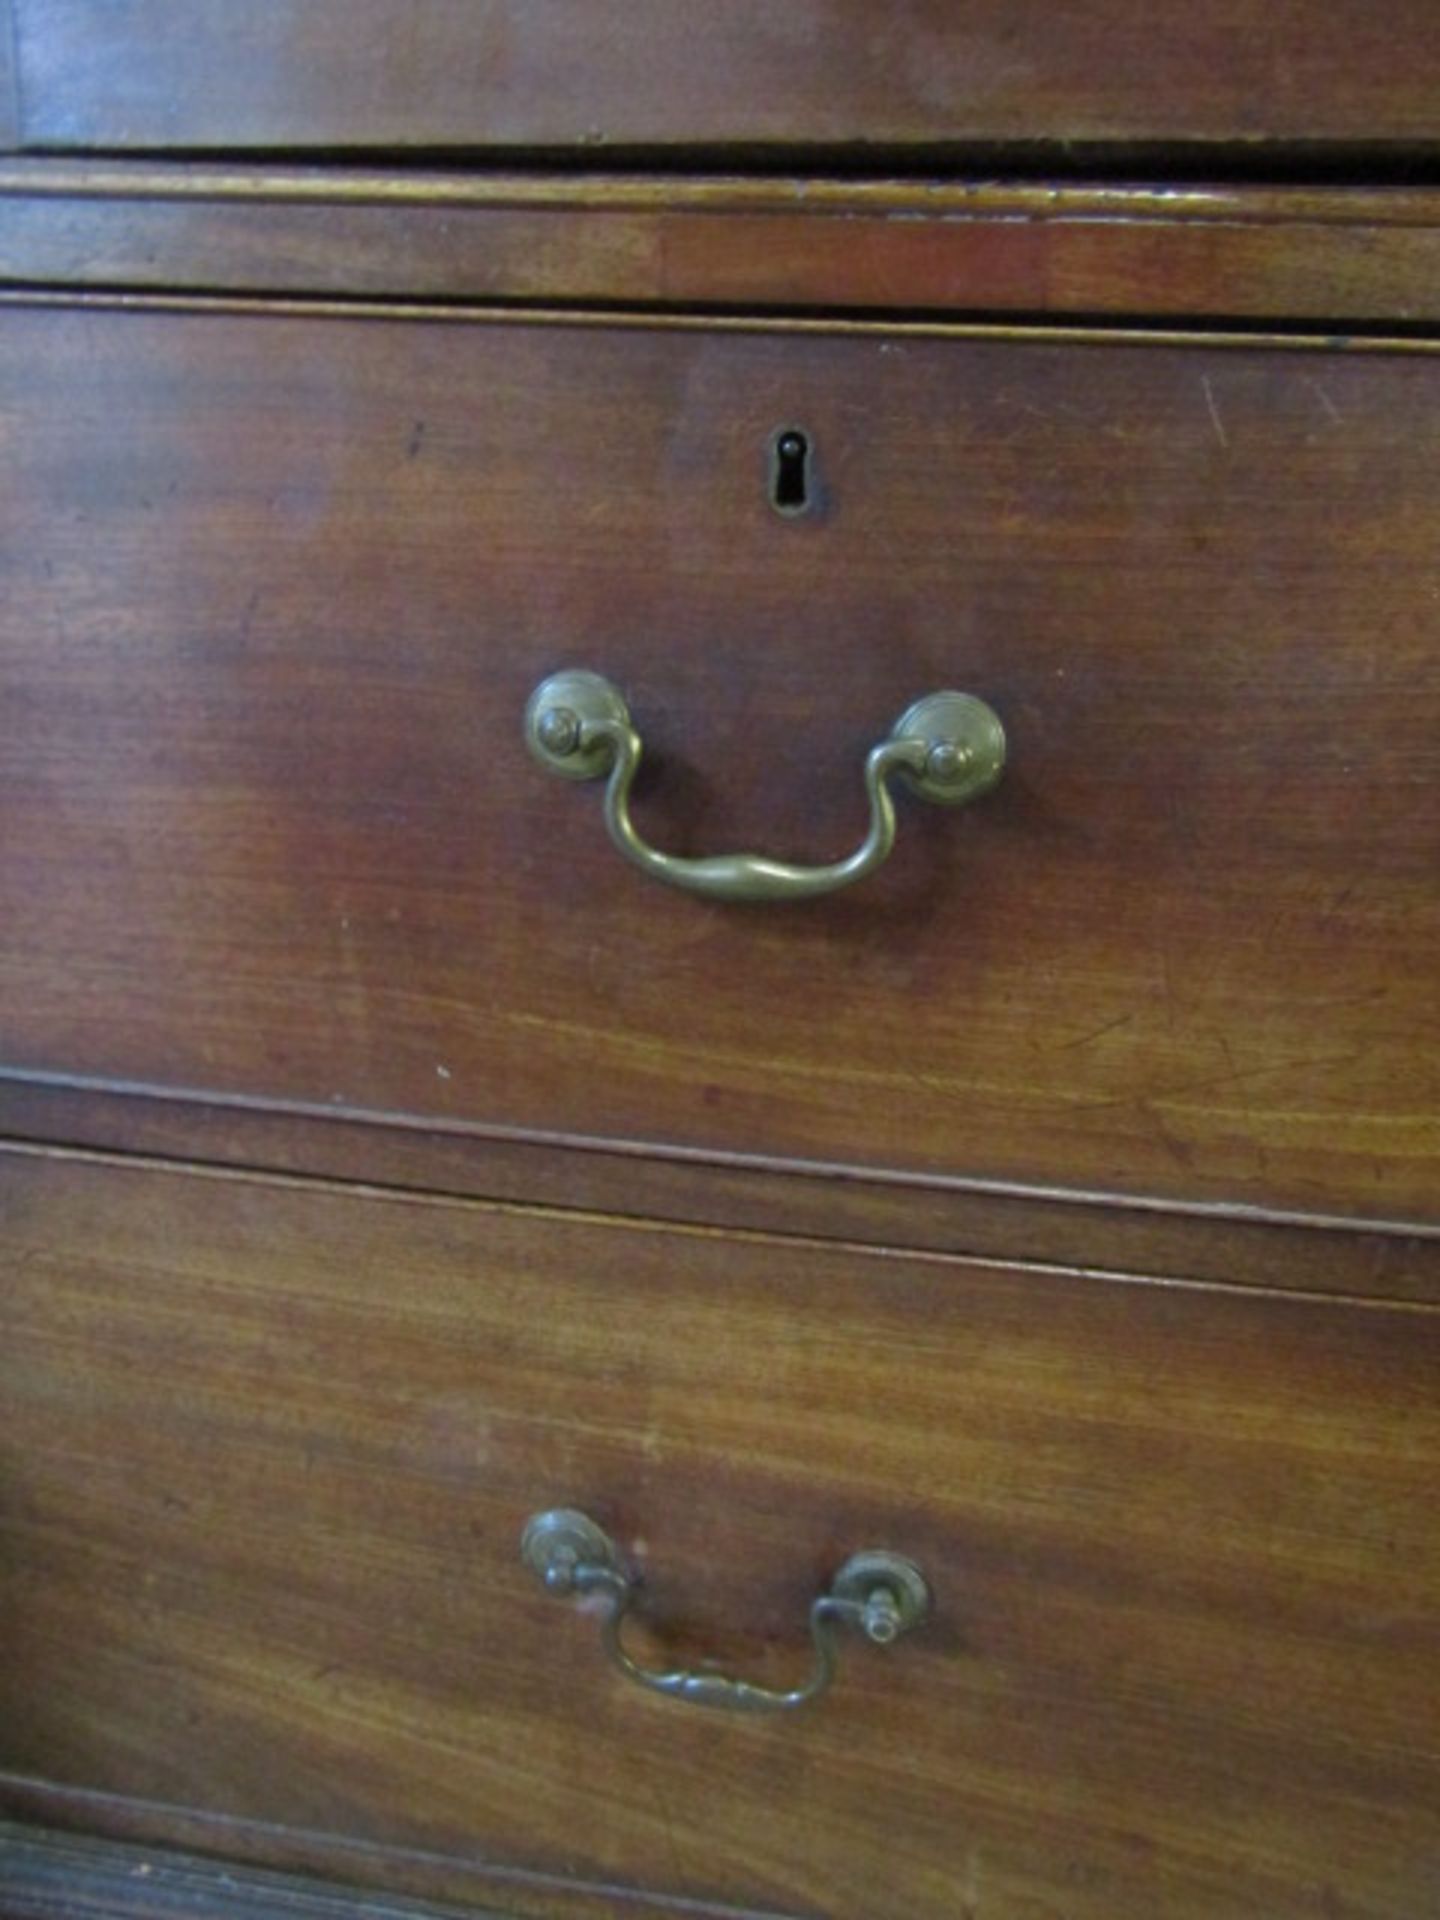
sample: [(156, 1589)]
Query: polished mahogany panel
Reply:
[(277, 586), (397, 74), (268, 1450)]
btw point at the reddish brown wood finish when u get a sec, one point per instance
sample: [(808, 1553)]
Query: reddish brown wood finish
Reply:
[(666, 73), (268, 1451), (925, 247), (276, 590)]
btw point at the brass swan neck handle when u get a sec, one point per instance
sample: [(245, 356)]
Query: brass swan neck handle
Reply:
[(879, 1595), (948, 747)]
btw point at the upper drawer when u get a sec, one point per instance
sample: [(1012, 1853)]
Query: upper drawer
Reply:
[(154, 74), (278, 588)]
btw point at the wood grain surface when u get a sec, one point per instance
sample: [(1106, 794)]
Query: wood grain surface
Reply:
[(277, 588), (268, 1450), (401, 74), (1328, 255)]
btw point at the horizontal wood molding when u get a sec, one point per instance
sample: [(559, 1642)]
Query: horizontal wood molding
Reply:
[(941, 195), (1221, 1245), (942, 247), (999, 330)]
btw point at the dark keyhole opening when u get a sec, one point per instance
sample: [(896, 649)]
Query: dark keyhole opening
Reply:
[(790, 472)]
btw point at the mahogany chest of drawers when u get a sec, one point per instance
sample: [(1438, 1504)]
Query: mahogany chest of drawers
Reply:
[(554, 1368)]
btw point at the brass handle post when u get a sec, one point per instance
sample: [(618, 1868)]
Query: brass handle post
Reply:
[(948, 748), (877, 1594)]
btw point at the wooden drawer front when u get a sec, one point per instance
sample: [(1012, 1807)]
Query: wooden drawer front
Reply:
[(278, 588), (386, 74), (267, 1453)]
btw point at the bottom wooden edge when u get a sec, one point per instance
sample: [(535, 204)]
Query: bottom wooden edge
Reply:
[(57, 1876), (73, 1853)]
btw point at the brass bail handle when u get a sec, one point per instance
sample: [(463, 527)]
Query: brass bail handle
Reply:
[(948, 748), (876, 1594)]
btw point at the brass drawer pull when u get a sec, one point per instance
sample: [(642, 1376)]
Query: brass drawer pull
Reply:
[(880, 1595), (948, 747)]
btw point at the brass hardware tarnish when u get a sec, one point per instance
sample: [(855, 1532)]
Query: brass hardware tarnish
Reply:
[(948, 747), (879, 1595)]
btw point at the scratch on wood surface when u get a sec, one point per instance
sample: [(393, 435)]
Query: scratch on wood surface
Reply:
[(1093, 1034), (969, 1889), (1325, 401), (1214, 411)]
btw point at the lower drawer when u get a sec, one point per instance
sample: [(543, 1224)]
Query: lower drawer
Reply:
[(268, 1449)]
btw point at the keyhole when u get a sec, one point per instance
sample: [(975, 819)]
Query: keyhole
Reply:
[(790, 471)]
